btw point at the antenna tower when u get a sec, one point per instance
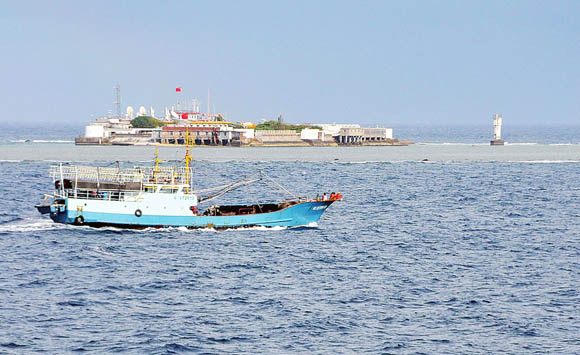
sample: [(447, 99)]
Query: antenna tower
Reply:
[(118, 100)]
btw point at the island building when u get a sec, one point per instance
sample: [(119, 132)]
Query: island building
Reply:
[(216, 132), (329, 134), (497, 123), (211, 129)]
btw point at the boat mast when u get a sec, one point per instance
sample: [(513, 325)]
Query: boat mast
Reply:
[(187, 158), (61, 180), (157, 161)]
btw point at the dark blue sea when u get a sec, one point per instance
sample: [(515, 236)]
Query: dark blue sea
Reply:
[(476, 250)]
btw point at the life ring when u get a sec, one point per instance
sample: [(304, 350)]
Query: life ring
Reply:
[(138, 213), (79, 220)]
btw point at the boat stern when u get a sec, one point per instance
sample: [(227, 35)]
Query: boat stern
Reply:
[(56, 209), (43, 208)]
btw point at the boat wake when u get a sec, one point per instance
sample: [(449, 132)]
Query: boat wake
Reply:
[(30, 225), (311, 225), (35, 225), (253, 228)]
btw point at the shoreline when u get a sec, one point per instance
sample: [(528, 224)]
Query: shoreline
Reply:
[(402, 143)]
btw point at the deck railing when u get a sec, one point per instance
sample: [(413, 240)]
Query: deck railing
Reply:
[(101, 195), (160, 175)]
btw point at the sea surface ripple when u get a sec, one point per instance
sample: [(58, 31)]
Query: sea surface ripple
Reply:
[(435, 257)]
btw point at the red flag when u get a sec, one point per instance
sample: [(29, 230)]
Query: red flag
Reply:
[(184, 116), (178, 89)]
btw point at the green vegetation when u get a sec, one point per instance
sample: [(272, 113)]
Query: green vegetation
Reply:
[(280, 125), (146, 122)]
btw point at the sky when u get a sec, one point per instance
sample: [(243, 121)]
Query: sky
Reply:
[(383, 63)]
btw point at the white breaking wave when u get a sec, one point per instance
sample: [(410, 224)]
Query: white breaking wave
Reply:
[(450, 143), (101, 251), (546, 161), (51, 141), (357, 162), (487, 144), (41, 141)]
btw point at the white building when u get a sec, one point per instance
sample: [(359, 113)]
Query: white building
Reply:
[(106, 127), (312, 134), (247, 133)]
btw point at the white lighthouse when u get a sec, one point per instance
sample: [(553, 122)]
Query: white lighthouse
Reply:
[(497, 122)]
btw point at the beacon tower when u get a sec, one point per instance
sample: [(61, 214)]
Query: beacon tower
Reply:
[(497, 122)]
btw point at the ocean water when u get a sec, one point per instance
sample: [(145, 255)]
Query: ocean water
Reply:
[(475, 250), (13, 133)]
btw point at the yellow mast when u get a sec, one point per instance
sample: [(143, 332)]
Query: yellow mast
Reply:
[(187, 157), (157, 161)]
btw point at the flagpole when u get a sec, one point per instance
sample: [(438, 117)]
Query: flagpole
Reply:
[(178, 90)]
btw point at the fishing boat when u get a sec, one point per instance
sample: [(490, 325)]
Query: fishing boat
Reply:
[(163, 196)]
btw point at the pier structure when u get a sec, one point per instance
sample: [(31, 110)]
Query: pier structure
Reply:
[(351, 136), (497, 123), (377, 134), (366, 136)]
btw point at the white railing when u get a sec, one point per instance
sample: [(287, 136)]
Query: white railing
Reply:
[(159, 175)]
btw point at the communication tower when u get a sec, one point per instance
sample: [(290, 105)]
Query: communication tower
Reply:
[(118, 100)]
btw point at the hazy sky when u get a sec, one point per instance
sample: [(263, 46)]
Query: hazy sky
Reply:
[(374, 62)]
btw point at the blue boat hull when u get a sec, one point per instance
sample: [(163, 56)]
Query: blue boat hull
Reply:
[(300, 214)]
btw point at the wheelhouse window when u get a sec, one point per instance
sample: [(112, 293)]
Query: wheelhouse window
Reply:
[(168, 189)]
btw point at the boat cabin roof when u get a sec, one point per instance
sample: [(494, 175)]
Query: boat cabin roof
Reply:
[(159, 175)]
